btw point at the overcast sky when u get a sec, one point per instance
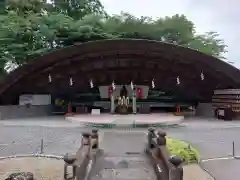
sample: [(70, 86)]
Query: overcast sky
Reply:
[(208, 15)]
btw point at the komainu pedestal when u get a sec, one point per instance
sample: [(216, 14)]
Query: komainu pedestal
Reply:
[(122, 110)]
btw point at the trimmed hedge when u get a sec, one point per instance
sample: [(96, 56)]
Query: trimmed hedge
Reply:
[(183, 150)]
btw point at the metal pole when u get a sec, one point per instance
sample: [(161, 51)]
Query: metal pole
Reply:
[(41, 150), (233, 149)]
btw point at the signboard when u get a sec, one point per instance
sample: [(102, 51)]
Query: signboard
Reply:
[(34, 99), (25, 100), (221, 112), (226, 91)]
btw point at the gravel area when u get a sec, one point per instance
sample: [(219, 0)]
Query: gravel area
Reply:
[(60, 137), (27, 140), (214, 142)]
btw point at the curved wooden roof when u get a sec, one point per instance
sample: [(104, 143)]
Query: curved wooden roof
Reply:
[(122, 60)]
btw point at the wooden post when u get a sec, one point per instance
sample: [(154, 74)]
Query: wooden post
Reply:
[(233, 149), (90, 147), (95, 136), (41, 150)]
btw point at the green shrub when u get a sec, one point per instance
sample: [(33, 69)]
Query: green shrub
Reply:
[(183, 150)]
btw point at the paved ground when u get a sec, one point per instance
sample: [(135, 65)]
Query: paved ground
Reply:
[(214, 139), (121, 160), (223, 169), (193, 171)]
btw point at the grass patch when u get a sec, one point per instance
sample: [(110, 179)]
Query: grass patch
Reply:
[(183, 150)]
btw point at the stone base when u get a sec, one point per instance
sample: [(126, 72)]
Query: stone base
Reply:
[(123, 110)]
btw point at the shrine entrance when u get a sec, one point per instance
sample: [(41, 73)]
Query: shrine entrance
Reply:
[(125, 103), (186, 77)]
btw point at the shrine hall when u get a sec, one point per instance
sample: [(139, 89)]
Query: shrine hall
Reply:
[(121, 76)]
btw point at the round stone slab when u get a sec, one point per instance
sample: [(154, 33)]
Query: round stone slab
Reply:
[(21, 176)]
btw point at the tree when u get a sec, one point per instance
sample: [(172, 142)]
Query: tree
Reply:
[(209, 44), (79, 8), (33, 27)]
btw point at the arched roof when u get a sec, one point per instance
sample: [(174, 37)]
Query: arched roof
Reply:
[(123, 60)]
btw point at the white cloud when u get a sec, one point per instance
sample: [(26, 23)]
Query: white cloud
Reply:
[(208, 15)]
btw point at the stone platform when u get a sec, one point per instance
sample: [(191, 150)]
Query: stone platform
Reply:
[(128, 121)]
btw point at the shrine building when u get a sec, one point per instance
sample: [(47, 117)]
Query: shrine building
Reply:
[(120, 76)]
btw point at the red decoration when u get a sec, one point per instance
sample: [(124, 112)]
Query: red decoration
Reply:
[(69, 113), (139, 93), (178, 108), (110, 90), (69, 108)]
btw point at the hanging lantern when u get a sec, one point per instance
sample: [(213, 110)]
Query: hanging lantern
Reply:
[(70, 81), (153, 84), (132, 86), (113, 85), (202, 76), (49, 78), (91, 83), (178, 80)]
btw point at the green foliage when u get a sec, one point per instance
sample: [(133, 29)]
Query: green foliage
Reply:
[(33, 27), (79, 8), (183, 150)]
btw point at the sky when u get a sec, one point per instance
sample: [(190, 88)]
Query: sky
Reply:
[(208, 15)]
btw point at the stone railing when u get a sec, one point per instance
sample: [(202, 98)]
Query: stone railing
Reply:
[(80, 162), (166, 167)]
